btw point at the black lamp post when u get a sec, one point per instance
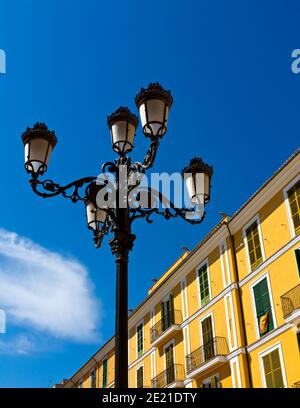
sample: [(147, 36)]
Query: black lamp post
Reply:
[(154, 104)]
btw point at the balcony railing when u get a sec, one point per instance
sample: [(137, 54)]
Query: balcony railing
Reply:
[(162, 325), (216, 347), (173, 373), (290, 301), (296, 384)]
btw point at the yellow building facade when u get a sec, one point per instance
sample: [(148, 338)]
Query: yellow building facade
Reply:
[(227, 313)]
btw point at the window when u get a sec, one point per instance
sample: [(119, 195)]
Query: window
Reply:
[(167, 313), (203, 285), (207, 338), (170, 368), (272, 370), (80, 384), (298, 339), (93, 379), (140, 339), (263, 307), (254, 246), (104, 373), (297, 254), (140, 377), (293, 195), (211, 383)]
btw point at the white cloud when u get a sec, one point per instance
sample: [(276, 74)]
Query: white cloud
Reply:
[(46, 291), (20, 345)]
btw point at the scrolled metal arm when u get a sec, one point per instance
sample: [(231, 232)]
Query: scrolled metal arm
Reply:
[(148, 159), (170, 212), (52, 189)]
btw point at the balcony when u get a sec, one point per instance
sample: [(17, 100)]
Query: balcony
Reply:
[(172, 377), (296, 384), (290, 303), (165, 328), (209, 356)]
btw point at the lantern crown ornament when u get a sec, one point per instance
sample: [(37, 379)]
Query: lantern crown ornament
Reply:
[(154, 104), (122, 124), (38, 142), (198, 176)]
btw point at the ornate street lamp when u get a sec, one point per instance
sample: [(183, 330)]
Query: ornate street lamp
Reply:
[(154, 104), (38, 145)]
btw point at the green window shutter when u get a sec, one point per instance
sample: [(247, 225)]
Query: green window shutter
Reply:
[(272, 369), (203, 285), (140, 340), (254, 247), (104, 373), (263, 304), (297, 254), (140, 377), (294, 201)]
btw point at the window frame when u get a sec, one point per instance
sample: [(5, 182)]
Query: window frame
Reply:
[(287, 205), (136, 377), (207, 380), (105, 359), (200, 266), (225, 267), (174, 355), (282, 366), (249, 223), (296, 260), (253, 284), (93, 373), (211, 315), (141, 323)]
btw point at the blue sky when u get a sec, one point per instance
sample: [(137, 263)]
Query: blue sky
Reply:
[(70, 63)]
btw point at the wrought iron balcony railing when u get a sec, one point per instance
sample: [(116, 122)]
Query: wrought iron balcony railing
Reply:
[(296, 384), (162, 325), (216, 347), (290, 301), (173, 373)]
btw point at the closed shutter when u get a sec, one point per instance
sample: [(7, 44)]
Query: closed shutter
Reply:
[(254, 248), (104, 374), (93, 379), (214, 382), (263, 304), (171, 309), (298, 340), (140, 340), (170, 368), (207, 337), (272, 369), (140, 377), (163, 313), (294, 201), (203, 285)]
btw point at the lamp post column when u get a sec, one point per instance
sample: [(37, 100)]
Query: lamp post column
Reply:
[(121, 244)]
